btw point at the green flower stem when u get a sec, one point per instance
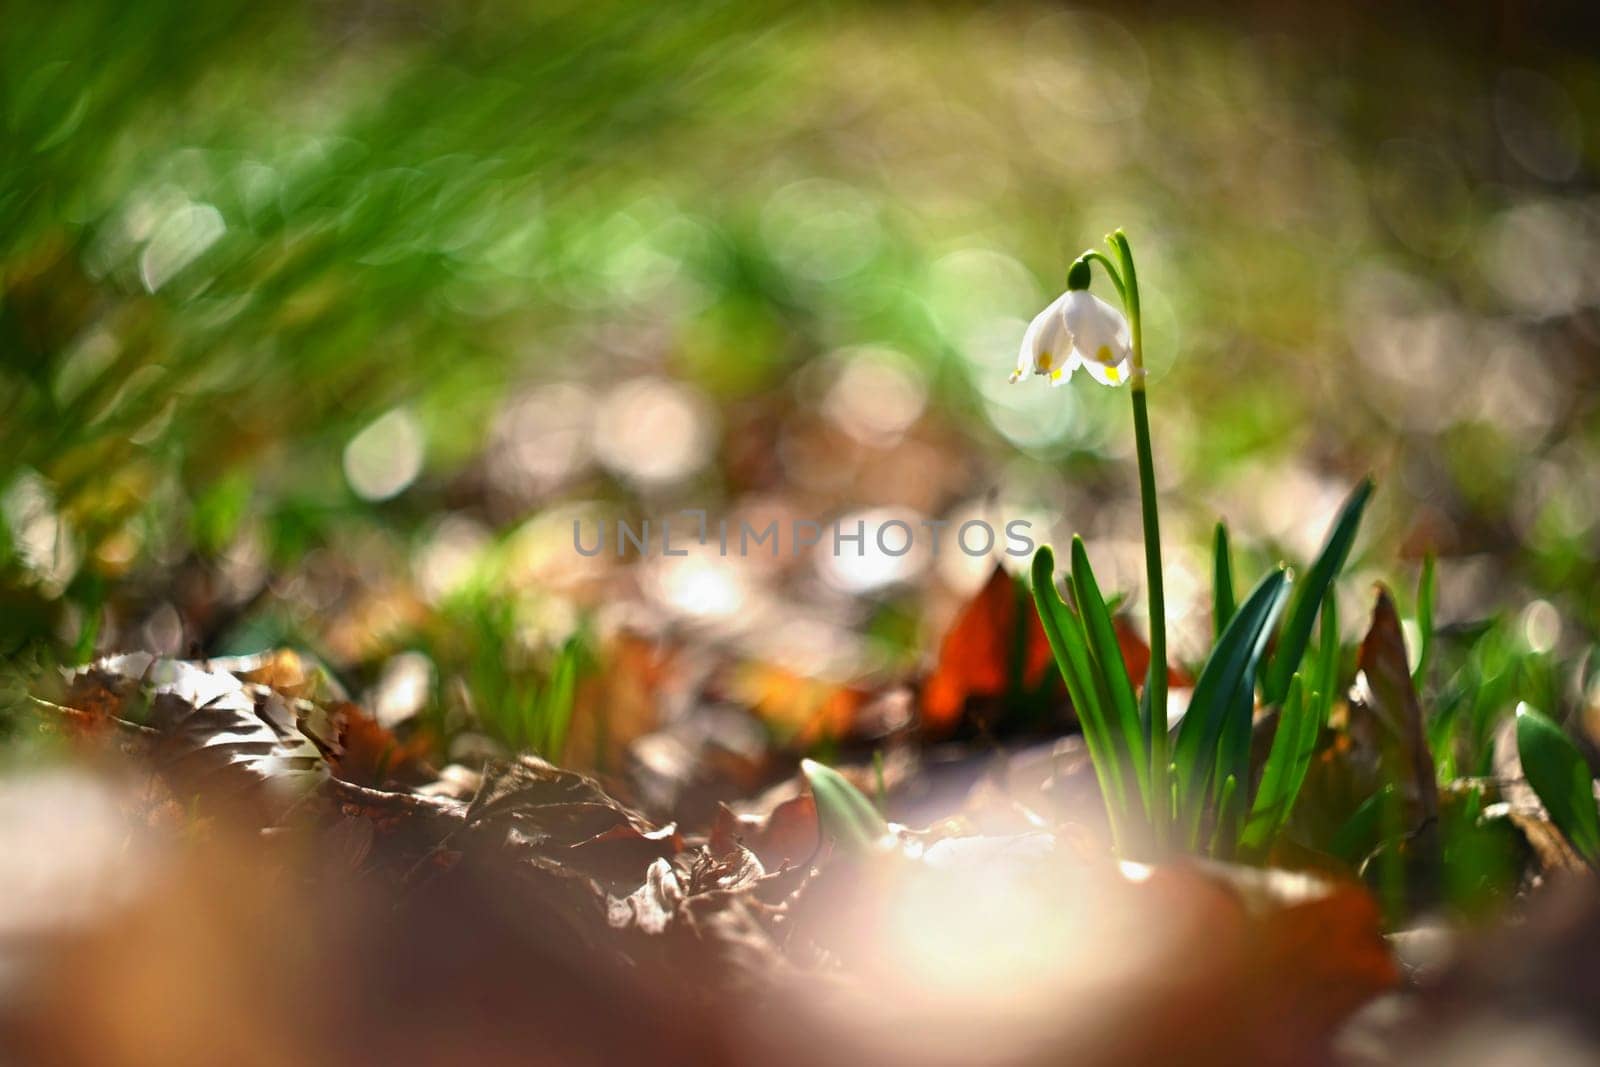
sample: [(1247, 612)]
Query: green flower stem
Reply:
[(1092, 256), (1155, 686)]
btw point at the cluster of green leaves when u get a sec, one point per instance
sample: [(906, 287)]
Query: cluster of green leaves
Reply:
[(1491, 671), (531, 716), (1497, 668), (521, 699), (1474, 859), (1200, 800), (1560, 776)]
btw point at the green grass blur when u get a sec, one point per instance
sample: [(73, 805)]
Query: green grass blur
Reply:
[(295, 298)]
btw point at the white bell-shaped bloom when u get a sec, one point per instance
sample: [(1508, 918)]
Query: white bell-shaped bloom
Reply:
[(1100, 336), (1077, 329), (1046, 348)]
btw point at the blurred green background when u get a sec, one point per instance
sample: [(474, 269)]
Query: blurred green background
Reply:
[(320, 323)]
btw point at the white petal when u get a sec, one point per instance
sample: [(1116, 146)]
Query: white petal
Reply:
[(1044, 345), (1099, 332), (1114, 374), (1063, 374)]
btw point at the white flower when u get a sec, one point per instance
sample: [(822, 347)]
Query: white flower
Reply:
[(1078, 329), (1046, 347)]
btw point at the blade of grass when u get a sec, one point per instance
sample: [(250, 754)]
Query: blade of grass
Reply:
[(1224, 837), (1308, 598), (1425, 598), (1285, 770), (1325, 681), (558, 702), (1222, 598)]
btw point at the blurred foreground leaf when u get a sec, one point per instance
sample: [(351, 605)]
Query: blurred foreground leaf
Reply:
[(1560, 776)]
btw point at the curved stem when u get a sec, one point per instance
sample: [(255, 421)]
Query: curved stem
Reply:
[(1155, 686), (1111, 272), (1128, 289)]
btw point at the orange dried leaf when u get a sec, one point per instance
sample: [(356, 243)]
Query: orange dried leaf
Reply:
[(805, 709), (975, 655), (368, 753)]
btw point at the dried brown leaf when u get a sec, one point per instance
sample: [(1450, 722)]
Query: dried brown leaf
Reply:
[(787, 837), (1386, 717)]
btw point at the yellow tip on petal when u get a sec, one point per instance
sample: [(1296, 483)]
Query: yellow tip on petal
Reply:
[(1055, 375), (1016, 376), (1112, 374)]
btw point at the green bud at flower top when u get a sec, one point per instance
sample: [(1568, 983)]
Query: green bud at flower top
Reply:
[(1078, 275)]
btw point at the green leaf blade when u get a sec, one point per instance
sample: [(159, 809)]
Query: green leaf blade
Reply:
[(1284, 772), (1560, 776), (558, 703), (1426, 592), (1222, 598), (1308, 598), (1065, 634), (1122, 707), (845, 813), (1229, 671)]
